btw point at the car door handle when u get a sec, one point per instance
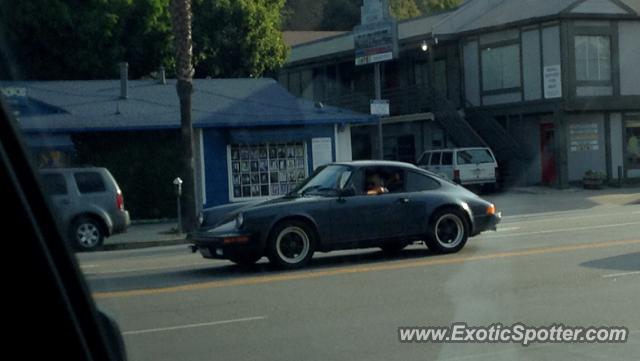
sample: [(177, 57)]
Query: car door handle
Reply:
[(403, 200)]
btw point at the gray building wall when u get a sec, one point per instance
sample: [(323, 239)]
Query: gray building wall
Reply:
[(581, 161), (629, 45), (616, 140), (526, 131), (551, 46)]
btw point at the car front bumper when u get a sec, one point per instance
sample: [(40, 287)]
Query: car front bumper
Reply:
[(487, 223), (223, 242)]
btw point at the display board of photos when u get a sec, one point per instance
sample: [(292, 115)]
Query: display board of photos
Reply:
[(266, 170)]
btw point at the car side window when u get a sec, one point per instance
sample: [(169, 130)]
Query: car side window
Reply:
[(435, 158), (54, 184), (391, 179), (89, 182), (419, 182), (447, 158)]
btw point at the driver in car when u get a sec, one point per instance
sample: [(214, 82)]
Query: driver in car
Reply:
[(375, 185)]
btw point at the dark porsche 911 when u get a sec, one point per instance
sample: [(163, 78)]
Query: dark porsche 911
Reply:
[(347, 205)]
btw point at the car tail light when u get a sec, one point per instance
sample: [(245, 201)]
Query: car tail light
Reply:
[(456, 175), (119, 200)]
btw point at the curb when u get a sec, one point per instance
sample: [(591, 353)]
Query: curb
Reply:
[(140, 245)]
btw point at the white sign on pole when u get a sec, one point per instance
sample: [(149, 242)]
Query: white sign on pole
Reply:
[(552, 82), (380, 107), (321, 151)]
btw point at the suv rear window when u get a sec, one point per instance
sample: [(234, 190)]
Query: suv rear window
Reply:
[(474, 156), (89, 182), (54, 184), (447, 158)]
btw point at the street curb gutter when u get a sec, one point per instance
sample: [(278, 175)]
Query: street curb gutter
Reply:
[(139, 245)]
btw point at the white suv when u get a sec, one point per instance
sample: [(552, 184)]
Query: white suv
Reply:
[(465, 166)]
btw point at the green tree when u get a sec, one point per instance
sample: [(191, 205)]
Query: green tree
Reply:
[(237, 38), (145, 36), (431, 6), (56, 39), (345, 14), (404, 9)]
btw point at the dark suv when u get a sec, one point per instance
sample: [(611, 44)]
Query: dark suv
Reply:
[(88, 204)]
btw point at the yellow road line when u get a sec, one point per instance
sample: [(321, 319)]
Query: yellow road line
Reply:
[(360, 269)]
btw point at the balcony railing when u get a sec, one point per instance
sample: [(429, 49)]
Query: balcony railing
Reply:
[(404, 100)]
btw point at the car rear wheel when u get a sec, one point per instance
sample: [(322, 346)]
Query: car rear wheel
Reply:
[(86, 234), (448, 232), (245, 260), (291, 245)]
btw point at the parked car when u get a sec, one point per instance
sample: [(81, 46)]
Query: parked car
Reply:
[(342, 206), (88, 203), (465, 166)]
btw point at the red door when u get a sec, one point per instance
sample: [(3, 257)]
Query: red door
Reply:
[(547, 154)]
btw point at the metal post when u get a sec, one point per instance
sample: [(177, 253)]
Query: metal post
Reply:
[(178, 184), (378, 87), (619, 176)]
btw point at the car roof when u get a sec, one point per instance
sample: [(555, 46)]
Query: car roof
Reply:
[(74, 169), (377, 163), (453, 149)]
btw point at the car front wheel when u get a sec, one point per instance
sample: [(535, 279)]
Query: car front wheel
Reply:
[(448, 232), (86, 234), (291, 245)]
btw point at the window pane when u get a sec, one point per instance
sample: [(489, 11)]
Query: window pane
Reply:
[(510, 65), (593, 58), (89, 182), (447, 158), (632, 144), (418, 182), (501, 67), (54, 184), (262, 170), (474, 156), (435, 159)]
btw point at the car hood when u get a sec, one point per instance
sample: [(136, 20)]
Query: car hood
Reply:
[(215, 216)]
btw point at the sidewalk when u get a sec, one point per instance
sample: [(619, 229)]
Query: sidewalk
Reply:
[(145, 235)]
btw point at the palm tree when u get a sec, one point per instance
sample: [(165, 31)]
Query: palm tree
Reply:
[(181, 18)]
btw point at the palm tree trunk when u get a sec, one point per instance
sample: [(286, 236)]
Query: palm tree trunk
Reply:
[(181, 17)]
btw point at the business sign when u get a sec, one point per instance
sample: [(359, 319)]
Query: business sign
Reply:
[(380, 107), (583, 137), (552, 82), (376, 38)]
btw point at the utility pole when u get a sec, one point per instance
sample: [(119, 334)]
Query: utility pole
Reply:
[(378, 87), (181, 18)]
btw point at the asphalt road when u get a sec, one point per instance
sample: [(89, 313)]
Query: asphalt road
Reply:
[(578, 265)]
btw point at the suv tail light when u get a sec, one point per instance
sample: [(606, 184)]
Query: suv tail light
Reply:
[(456, 175), (119, 200)]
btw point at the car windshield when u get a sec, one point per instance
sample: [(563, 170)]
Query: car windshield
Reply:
[(340, 179), (326, 181)]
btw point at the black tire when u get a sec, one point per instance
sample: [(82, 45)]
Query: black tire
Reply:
[(86, 234), (393, 248), (453, 237), (245, 259), (291, 244)]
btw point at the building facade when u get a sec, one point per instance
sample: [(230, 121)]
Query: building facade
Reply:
[(551, 86)]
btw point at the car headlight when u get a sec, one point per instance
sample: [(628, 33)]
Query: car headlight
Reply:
[(239, 220)]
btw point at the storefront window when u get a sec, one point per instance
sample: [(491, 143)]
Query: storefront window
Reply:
[(632, 144), (266, 170)]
